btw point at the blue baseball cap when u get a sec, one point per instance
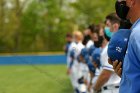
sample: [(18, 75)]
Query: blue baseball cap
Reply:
[(84, 52), (91, 66), (118, 44), (96, 56)]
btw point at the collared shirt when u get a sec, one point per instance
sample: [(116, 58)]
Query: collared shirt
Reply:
[(130, 82)]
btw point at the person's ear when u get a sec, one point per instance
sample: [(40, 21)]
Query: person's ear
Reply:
[(116, 26), (132, 3)]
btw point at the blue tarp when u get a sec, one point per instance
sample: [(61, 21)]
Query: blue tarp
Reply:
[(32, 59)]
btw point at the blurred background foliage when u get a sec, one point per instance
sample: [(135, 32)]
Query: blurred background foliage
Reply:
[(41, 25)]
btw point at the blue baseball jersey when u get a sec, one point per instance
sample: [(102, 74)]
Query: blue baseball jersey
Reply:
[(130, 82)]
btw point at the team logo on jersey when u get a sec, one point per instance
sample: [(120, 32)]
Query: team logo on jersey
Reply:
[(125, 39)]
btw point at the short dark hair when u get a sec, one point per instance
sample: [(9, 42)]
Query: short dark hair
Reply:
[(91, 27), (69, 35), (113, 18), (97, 29)]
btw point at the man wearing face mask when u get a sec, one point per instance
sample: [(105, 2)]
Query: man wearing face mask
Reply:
[(130, 72), (87, 36), (97, 36), (108, 81)]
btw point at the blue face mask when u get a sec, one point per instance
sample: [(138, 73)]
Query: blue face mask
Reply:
[(108, 32)]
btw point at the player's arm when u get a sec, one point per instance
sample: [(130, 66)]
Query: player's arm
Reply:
[(103, 78), (91, 72), (72, 53), (91, 77)]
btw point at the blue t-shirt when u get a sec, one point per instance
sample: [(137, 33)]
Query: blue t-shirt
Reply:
[(130, 82)]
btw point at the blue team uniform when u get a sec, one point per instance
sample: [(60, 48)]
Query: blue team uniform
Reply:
[(130, 82)]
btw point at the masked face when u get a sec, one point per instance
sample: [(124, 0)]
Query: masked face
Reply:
[(122, 9), (107, 33), (86, 39), (98, 43)]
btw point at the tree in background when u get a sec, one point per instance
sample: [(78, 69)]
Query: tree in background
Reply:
[(41, 25), (95, 11)]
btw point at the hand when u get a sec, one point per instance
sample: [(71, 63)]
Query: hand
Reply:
[(94, 91), (85, 81), (89, 87), (68, 71), (117, 66)]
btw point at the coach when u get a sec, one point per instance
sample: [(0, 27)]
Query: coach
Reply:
[(130, 72)]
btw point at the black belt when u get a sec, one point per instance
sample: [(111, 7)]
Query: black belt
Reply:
[(106, 87)]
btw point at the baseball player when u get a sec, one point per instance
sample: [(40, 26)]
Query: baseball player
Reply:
[(129, 9), (70, 56), (97, 39), (88, 35), (108, 81), (91, 68), (74, 53), (83, 71)]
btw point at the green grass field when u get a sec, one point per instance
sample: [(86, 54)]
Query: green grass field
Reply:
[(38, 79)]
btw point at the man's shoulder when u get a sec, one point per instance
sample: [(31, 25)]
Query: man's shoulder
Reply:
[(80, 45), (73, 44), (136, 30), (104, 50), (135, 35)]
